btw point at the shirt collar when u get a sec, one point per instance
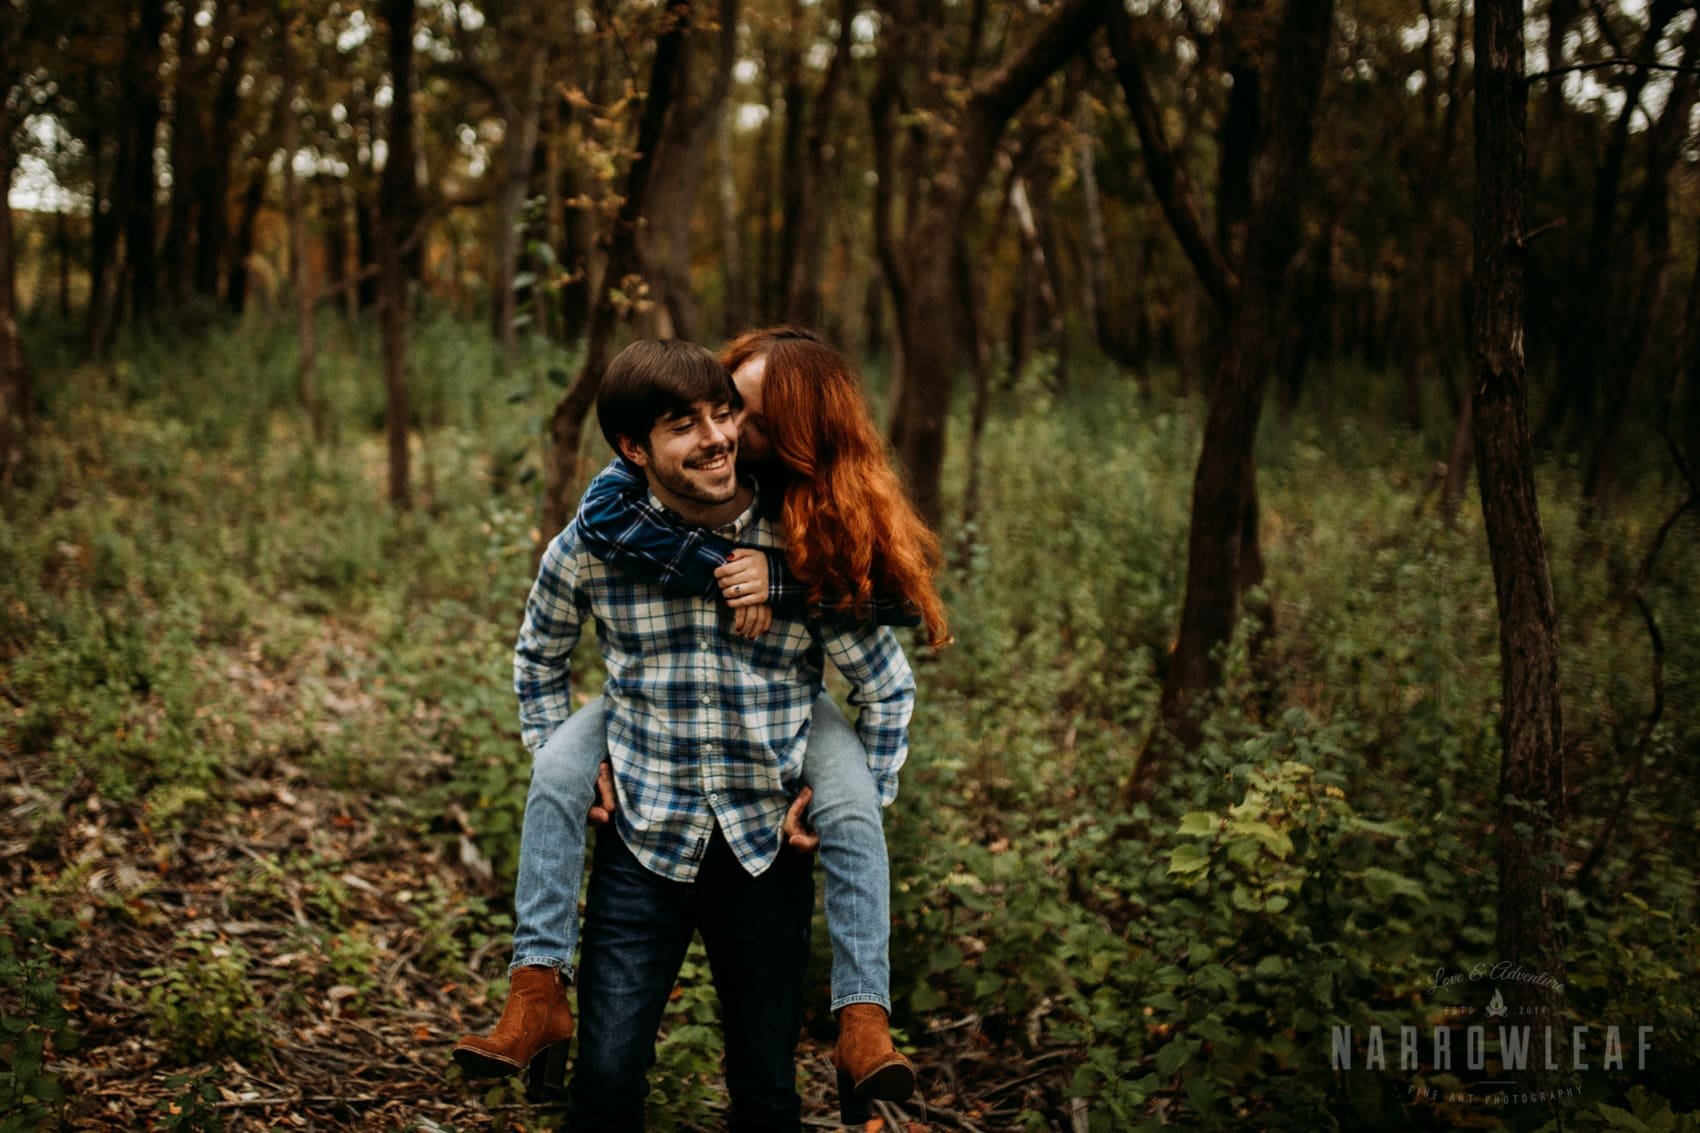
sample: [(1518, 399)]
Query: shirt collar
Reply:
[(733, 529)]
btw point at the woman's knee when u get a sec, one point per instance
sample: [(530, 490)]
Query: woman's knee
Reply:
[(574, 751)]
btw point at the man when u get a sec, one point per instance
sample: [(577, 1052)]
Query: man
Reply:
[(705, 735)]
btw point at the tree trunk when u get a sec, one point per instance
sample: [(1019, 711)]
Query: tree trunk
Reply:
[(142, 83), (17, 397), (1166, 174), (236, 286), (186, 156), (1580, 363), (1107, 328), (1689, 375), (62, 245), (1458, 464), (1634, 340), (688, 135), (306, 321), (213, 169), (519, 146), (398, 210), (1237, 136), (1222, 551), (929, 355), (1531, 786), (802, 291), (566, 424), (734, 306)]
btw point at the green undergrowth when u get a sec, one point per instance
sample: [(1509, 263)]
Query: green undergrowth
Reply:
[(196, 595)]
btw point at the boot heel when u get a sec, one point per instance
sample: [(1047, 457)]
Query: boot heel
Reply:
[(852, 1110), (545, 1079)]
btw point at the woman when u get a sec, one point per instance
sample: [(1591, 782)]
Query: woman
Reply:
[(855, 549)]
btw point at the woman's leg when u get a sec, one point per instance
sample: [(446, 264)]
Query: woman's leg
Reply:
[(551, 845), (537, 1021), (846, 814)]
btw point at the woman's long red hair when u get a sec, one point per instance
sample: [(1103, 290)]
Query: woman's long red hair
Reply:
[(850, 529)]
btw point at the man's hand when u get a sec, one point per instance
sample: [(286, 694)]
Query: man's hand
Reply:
[(743, 578), (752, 621), (796, 829), (603, 807)]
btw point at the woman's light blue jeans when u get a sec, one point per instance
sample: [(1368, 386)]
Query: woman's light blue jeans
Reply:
[(845, 812)]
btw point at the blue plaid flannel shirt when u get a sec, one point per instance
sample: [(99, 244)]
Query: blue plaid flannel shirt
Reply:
[(622, 524), (703, 727)]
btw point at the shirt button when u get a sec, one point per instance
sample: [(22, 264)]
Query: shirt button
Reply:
[(707, 698), (714, 796)]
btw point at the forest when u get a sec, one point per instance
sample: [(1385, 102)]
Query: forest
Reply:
[(1305, 395)]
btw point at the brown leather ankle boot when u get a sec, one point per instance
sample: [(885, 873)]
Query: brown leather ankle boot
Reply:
[(869, 1067), (533, 1032)]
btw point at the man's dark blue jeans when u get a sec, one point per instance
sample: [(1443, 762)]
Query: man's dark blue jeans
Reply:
[(636, 929)]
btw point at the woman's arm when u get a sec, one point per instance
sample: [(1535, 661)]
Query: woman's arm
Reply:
[(619, 524)]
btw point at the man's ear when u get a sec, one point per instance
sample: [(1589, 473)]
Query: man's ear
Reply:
[(633, 451)]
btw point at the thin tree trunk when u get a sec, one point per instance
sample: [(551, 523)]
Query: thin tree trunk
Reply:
[(1458, 464), (1689, 371), (1580, 363), (306, 321), (664, 242), (802, 292), (398, 214), (17, 396), (103, 234), (1222, 551), (213, 169), (236, 286), (929, 356), (734, 304), (186, 156), (566, 423), (62, 244), (519, 146), (1106, 327), (1634, 341), (1531, 786), (1166, 174), (144, 115)]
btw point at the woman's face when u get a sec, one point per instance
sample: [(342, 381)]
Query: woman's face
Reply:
[(753, 441)]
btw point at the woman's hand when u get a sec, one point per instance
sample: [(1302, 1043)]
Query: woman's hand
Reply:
[(796, 829), (743, 579), (602, 807), (752, 621)]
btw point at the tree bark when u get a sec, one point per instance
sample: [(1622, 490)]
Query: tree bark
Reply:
[(1169, 182), (1222, 550), (566, 424), (399, 213), (1107, 329), (519, 146), (142, 84), (676, 180), (213, 169), (802, 291), (1577, 387), (1531, 787), (306, 321), (236, 275), (929, 354), (1634, 338), (17, 395), (734, 305), (186, 156)]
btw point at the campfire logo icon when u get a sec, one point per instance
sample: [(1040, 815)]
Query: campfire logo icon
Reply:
[(1496, 1006)]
